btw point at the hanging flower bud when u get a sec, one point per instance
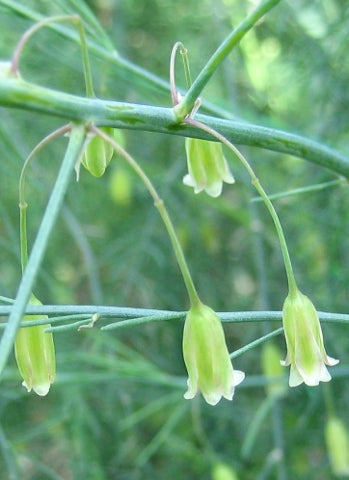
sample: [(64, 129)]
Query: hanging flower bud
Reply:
[(98, 153), (305, 346), (207, 167), (337, 441), (35, 354), (222, 471), (206, 356)]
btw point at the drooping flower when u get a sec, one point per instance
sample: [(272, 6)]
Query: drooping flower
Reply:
[(98, 153), (305, 346), (337, 441), (206, 356), (207, 166), (35, 354)]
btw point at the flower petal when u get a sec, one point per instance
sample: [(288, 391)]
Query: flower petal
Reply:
[(206, 356)]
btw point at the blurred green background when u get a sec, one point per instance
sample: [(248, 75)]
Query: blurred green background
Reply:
[(116, 410)]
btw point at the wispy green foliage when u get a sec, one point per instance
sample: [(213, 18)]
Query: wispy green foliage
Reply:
[(117, 409)]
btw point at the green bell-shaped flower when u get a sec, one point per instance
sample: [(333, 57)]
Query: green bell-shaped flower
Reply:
[(35, 354), (207, 166), (305, 346), (98, 153), (206, 356)]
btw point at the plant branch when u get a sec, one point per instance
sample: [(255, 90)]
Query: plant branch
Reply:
[(186, 105), (76, 140), (15, 93), (106, 311)]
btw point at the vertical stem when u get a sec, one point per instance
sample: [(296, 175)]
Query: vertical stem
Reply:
[(184, 53), (22, 203), (76, 140), (159, 204), (193, 295), (287, 260), (174, 95), (279, 441), (23, 234), (186, 105), (85, 59), (255, 182), (9, 457)]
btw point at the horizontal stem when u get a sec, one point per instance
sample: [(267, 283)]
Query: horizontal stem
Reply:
[(15, 93), (106, 311)]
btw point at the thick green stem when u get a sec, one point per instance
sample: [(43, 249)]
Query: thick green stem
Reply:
[(287, 261), (15, 93), (159, 204), (187, 104), (76, 141)]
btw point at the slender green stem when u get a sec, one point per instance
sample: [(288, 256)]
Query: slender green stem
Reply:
[(30, 32), (107, 312), (9, 457), (255, 182), (308, 189), (131, 322), (287, 261), (176, 97), (193, 295), (23, 234), (76, 141), (256, 423), (22, 203), (174, 94), (83, 43), (184, 54), (187, 104), (85, 59), (159, 204), (255, 343)]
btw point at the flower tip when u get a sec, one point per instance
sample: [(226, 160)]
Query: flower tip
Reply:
[(40, 389), (215, 189), (331, 361), (213, 398), (238, 377)]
